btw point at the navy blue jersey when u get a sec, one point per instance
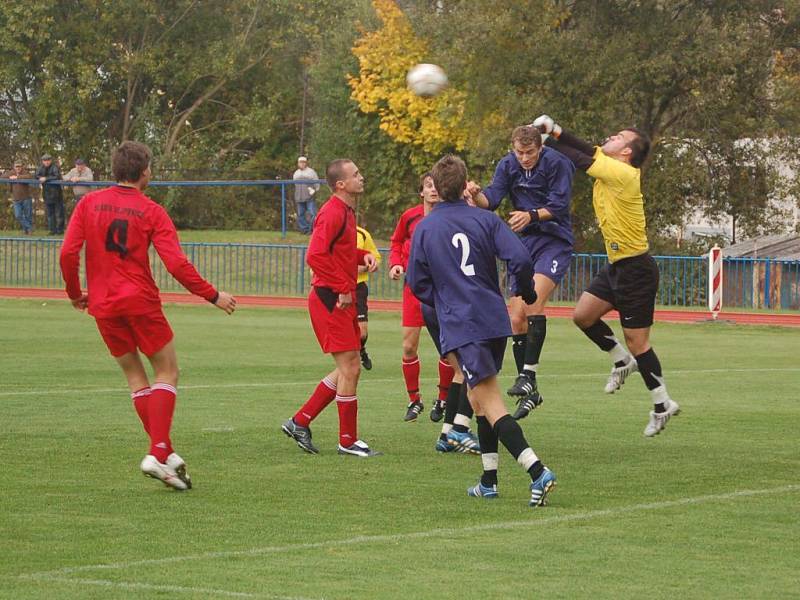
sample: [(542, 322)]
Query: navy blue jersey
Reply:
[(453, 267), (548, 185)]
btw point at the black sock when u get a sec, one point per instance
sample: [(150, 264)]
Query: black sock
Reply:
[(601, 334), (518, 343), (465, 409), (510, 435), (650, 368), (451, 407), (537, 331), (536, 470), (364, 344), (488, 441)]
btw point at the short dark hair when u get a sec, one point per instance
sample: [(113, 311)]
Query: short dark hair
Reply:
[(527, 135), (334, 172), (422, 179), (640, 146), (130, 160), (450, 177)]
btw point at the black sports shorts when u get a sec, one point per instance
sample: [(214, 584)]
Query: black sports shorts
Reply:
[(362, 291), (630, 285)]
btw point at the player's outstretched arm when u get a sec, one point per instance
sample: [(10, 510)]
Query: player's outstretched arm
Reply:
[(579, 151)]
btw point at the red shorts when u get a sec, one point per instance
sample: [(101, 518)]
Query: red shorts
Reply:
[(412, 311), (336, 328), (149, 333)]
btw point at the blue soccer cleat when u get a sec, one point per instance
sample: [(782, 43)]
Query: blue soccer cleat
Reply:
[(541, 487), (483, 491), (443, 446), (465, 443)]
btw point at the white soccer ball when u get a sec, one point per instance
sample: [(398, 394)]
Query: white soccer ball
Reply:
[(426, 80)]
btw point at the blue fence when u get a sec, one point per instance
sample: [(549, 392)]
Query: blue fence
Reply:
[(282, 183), (280, 270)]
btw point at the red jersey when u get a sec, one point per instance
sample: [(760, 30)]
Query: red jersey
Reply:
[(401, 238), (332, 252), (118, 224)]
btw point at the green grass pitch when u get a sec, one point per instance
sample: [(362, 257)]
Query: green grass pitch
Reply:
[(707, 509)]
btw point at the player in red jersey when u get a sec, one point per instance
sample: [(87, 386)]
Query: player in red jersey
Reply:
[(118, 224), (334, 258), (412, 312)]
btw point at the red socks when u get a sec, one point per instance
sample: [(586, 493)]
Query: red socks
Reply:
[(348, 419), (323, 395), (140, 399), (446, 373), (411, 375), (160, 407)]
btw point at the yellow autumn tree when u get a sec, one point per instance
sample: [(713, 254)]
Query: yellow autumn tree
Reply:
[(427, 125)]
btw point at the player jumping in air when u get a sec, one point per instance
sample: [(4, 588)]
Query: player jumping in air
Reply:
[(412, 319), (334, 259), (538, 181), (453, 268), (629, 282), (365, 243), (118, 225)]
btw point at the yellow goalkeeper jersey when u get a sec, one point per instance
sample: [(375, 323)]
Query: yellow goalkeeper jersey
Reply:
[(364, 242), (618, 204)]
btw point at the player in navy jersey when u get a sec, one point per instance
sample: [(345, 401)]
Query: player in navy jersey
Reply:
[(118, 225), (538, 182), (453, 267)]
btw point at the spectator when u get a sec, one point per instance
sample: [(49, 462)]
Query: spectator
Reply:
[(304, 195), (52, 194), (23, 198), (80, 173)]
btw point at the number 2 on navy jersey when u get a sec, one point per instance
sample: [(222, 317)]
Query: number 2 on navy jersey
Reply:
[(462, 240), (117, 237)]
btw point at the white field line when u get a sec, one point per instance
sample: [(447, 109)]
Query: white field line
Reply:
[(533, 521), (132, 585), (367, 381)]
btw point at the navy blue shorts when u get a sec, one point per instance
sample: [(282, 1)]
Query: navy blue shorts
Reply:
[(481, 360), (432, 325), (551, 256)]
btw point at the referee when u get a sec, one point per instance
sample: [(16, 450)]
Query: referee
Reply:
[(630, 280)]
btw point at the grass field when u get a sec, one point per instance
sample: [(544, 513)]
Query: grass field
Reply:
[(708, 509)]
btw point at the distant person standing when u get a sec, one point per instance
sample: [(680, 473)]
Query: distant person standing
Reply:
[(53, 195), (304, 195), (80, 172), (23, 198)]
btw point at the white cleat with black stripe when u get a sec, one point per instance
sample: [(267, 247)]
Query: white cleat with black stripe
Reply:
[(619, 374)]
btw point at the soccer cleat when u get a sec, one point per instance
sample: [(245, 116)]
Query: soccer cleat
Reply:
[(366, 361), (523, 386), (163, 472), (483, 491), (358, 448), (177, 463), (442, 446), (658, 421), (301, 435), (413, 411), (620, 374), (437, 412), (465, 443), (527, 404), (541, 487)]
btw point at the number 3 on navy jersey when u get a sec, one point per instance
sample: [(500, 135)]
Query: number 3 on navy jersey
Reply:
[(460, 239), (117, 237)]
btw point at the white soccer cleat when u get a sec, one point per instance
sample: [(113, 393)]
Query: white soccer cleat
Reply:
[(658, 421), (163, 472), (619, 375), (177, 463)]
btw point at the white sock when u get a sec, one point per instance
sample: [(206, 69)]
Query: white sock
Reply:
[(618, 353), (527, 458)]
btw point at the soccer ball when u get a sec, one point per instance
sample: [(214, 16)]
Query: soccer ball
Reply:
[(426, 80)]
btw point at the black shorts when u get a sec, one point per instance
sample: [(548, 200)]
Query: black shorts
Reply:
[(362, 291), (629, 285)]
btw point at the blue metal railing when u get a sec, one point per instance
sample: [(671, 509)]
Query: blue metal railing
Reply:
[(280, 270), (283, 183)]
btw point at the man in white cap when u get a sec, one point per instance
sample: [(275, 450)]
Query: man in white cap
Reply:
[(304, 195)]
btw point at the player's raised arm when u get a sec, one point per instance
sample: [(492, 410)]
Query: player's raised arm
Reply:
[(491, 196), (579, 151)]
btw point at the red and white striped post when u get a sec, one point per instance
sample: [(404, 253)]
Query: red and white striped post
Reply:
[(715, 281)]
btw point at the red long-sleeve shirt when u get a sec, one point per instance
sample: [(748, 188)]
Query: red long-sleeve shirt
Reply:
[(332, 252), (118, 224), (401, 238)]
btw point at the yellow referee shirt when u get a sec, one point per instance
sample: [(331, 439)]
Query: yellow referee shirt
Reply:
[(618, 204), (364, 242)]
